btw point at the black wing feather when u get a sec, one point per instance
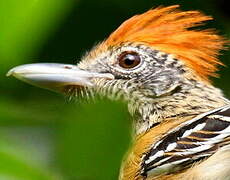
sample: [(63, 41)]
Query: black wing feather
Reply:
[(193, 140)]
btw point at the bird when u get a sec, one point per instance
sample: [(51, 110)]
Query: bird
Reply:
[(160, 63)]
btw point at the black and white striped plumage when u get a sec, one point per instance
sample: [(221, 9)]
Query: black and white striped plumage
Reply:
[(191, 141)]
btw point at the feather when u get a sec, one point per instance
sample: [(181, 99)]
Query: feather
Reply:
[(169, 30), (189, 142)]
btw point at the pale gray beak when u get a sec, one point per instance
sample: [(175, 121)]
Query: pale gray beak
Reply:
[(56, 76)]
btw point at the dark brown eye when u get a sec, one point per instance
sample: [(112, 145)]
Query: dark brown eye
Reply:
[(129, 59)]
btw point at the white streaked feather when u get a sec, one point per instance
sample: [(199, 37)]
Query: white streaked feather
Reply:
[(224, 118), (194, 150), (165, 168), (198, 117), (151, 158), (162, 166), (171, 146), (161, 161), (225, 109), (190, 131), (226, 130)]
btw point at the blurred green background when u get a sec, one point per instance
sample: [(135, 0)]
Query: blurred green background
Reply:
[(43, 135)]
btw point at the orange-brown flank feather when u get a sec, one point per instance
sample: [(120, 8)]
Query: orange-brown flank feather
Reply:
[(169, 30)]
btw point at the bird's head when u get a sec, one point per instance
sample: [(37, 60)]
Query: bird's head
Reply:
[(151, 56)]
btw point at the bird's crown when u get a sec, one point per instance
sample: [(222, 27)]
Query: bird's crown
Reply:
[(170, 30)]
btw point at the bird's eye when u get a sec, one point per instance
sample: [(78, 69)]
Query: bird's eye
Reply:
[(129, 59)]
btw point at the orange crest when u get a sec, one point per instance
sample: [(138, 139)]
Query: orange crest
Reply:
[(169, 30)]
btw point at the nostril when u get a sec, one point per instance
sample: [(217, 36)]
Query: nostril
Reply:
[(68, 67)]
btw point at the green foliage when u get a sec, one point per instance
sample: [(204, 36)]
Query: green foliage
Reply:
[(44, 135), (18, 164)]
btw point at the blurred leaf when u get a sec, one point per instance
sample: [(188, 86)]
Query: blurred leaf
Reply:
[(25, 25), (33, 111), (93, 141), (16, 163)]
